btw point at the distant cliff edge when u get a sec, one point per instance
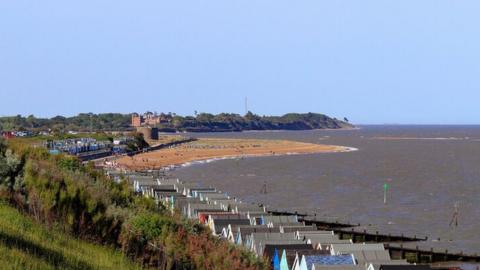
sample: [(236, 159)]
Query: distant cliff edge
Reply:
[(205, 122)]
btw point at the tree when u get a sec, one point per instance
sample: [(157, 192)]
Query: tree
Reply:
[(205, 117), (3, 146), (251, 116), (10, 169), (31, 121), (345, 119)]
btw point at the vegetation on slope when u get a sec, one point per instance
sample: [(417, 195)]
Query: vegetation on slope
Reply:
[(61, 193), (59, 124), (234, 122), (172, 122), (25, 244)]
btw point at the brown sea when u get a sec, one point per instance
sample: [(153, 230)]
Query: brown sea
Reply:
[(431, 172)]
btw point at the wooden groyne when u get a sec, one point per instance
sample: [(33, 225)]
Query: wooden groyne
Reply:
[(423, 255), (162, 146), (309, 220), (348, 230), (326, 224), (94, 155), (360, 236), (400, 247)]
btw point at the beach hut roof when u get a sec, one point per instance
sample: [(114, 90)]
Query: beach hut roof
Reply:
[(258, 229), (337, 267), (164, 188), (167, 194), (296, 254), (314, 232), (260, 245), (292, 227), (227, 215), (253, 214), (223, 223), (405, 267), (328, 260), (378, 264), (328, 244), (145, 182), (225, 202), (348, 248), (289, 226), (371, 256), (246, 231), (247, 207), (169, 181), (202, 207), (268, 248), (259, 236), (214, 196), (182, 202), (281, 219), (319, 238)]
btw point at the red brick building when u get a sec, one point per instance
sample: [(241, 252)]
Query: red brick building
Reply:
[(147, 119)]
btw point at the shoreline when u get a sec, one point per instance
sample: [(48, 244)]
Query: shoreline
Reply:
[(205, 161)]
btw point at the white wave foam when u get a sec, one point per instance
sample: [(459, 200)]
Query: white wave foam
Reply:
[(343, 149), (422, 138)]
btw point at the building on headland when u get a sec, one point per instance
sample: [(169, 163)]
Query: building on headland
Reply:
[(148, 119), (148, 123)]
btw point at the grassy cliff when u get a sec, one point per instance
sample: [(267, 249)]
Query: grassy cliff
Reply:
[(26, 244)]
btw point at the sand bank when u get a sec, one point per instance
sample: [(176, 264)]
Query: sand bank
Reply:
[(218, 148)]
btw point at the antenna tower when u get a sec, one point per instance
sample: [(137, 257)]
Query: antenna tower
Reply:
[(246, 105)]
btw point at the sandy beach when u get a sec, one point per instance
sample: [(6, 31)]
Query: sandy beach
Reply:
[(210, 148)]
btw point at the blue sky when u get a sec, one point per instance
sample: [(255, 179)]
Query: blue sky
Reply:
[(374, 62)]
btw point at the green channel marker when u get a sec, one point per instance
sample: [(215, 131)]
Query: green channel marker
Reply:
[(385, 188)]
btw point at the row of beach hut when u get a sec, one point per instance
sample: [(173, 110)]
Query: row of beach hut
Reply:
[(282, 240)]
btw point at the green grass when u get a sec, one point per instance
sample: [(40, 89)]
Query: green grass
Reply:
[(25, 244)]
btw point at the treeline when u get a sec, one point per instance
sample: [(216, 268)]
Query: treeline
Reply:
[(202, 122), (234, 122), (60, 192), (83, 122)]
